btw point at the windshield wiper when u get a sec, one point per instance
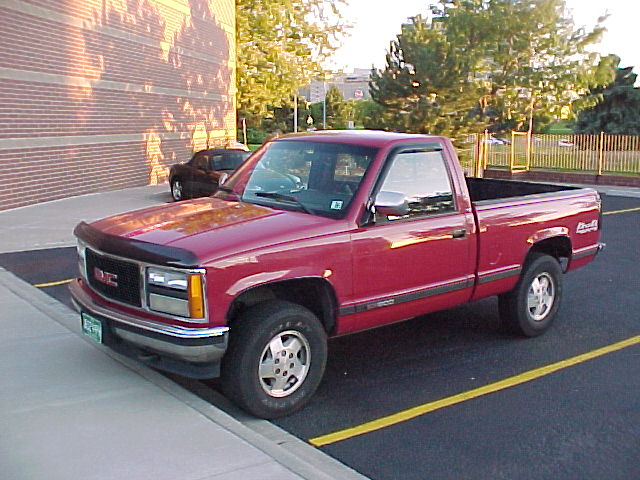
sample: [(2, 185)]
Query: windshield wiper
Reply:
[(284, 198)]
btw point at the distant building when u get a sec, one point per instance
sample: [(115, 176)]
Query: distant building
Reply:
[(100, 95), (354, 85)]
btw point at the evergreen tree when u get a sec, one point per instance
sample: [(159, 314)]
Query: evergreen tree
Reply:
[(615, 108), (337, 109), (425, 86), (280, 119)]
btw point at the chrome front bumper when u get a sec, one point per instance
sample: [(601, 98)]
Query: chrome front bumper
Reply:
[(204, 345)]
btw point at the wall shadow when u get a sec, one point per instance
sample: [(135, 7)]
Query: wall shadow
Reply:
[(163, 76)]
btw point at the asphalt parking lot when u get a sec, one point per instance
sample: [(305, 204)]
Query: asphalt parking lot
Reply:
[(571, 422)]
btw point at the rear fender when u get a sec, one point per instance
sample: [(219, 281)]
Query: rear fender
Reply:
[(548, 233), (554, 241)]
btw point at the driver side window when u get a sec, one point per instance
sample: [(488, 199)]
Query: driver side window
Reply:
[(422, 177), (201, 161)]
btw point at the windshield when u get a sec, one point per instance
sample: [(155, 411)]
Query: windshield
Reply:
[(312, 177)]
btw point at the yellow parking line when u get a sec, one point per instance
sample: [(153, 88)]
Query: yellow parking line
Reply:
[(53, 284), (419, 410), (628, 210)]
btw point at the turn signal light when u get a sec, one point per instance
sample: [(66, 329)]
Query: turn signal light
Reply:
[(196, 296)]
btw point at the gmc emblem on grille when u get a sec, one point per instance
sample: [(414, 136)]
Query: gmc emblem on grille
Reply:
[(107, 278)]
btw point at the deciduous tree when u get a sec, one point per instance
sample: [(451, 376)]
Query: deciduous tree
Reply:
[(280, 47), (368, 114)]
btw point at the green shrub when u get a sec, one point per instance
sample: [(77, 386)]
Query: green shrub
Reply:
[(254, 135)]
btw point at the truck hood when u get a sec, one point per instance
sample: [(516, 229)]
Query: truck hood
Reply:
[(212, 228)]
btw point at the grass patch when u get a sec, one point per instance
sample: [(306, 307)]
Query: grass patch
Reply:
[(560, 128)]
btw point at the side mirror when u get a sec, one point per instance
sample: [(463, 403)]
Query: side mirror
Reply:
[(223, 178), (391, 204)]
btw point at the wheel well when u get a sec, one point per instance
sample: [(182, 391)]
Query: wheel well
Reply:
[(557, 247), (315, 294)]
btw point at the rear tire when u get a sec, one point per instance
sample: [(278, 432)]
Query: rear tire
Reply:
[(276, 359), (531, 307)]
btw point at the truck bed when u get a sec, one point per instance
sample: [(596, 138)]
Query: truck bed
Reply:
[(487, 189)]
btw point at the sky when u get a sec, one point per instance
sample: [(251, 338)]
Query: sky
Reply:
[(377, 22)]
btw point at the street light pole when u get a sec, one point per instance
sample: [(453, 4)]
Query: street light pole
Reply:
[(324, 103)]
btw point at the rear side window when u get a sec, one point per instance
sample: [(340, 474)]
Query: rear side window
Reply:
[(422, 177)]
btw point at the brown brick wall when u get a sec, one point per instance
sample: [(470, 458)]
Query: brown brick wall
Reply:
[(98, 95)]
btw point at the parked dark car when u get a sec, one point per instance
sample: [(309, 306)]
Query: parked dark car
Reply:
[(206, 170)]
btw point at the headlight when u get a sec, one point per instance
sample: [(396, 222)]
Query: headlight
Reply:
[(176, 293), (167, 278)]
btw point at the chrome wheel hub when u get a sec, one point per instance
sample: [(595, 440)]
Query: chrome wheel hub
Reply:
[(177, 190), (541, 296), (284, 364)]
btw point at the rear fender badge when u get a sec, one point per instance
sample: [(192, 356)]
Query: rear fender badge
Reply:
[(592, 226), (107, 278)]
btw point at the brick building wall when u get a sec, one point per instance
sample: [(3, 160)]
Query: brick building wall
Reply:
[(99, 95)]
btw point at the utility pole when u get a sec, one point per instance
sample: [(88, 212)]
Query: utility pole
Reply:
[(295, 113)]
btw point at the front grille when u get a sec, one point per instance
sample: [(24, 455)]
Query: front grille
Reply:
[(113, 278)]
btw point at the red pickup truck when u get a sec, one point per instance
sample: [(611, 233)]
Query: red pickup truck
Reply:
[(318, 235)]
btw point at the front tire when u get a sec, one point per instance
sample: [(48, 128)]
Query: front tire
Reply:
[(531, 307), (177, 190), (276, 358)]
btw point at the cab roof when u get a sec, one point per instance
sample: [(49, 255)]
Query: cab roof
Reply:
[(370, 138)]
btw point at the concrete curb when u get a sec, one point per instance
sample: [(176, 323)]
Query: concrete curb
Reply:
[(292, 453)]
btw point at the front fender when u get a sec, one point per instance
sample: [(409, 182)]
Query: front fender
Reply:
[(265, 278)]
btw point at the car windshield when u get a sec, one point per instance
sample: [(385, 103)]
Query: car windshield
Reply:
[(228, 160), (312, 177)]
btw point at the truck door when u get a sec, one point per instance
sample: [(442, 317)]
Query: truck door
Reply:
[(415, 263)]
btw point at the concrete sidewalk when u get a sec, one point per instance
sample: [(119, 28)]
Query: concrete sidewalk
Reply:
[(50, 224), (70, 408)]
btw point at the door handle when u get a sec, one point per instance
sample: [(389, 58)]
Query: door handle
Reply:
[(459, 233)]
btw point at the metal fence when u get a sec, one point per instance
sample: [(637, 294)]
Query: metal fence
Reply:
[(597, 154), (467, 149)]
